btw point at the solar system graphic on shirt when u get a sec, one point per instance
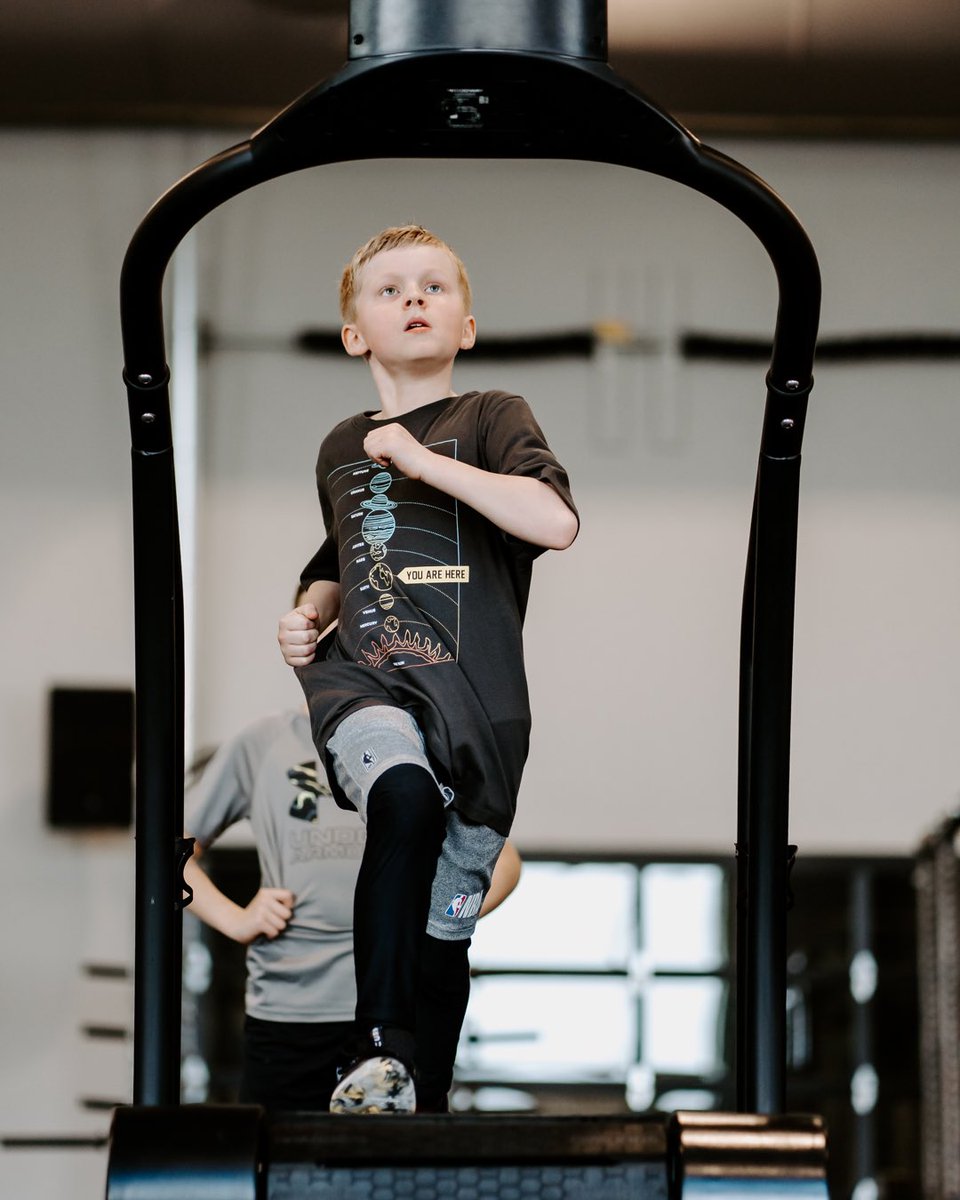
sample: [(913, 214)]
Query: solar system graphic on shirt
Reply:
[(400, 567)]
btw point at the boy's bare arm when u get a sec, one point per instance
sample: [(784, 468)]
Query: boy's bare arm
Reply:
[(266, 915), (506, 876), (300, 630), (524, 507)]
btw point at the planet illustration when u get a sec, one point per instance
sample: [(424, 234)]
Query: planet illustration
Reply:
[(378, 504), (381, 577), (381, 481), (377, 551), (391, 624), (378, 527), (387, 601)]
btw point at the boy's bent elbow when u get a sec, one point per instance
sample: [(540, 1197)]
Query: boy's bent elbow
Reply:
[(565, 534)]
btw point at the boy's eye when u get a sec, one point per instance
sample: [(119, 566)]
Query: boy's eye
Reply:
[(434, 288), (389, 290)]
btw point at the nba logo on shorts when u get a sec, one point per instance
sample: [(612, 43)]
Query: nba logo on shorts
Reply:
[(465, 907)]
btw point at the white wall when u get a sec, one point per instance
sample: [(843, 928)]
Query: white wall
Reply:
[(632, 634)]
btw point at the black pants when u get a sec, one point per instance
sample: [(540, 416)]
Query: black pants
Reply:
[(292, 1065)]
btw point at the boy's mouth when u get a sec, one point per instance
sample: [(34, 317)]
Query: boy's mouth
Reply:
[(416, 323)]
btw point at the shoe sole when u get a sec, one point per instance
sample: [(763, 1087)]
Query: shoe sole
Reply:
[(376, 1085)]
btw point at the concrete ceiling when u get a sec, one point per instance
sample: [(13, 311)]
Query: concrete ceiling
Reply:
[(836, 67)]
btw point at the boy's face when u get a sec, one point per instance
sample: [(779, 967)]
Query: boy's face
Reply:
[(409, 310)]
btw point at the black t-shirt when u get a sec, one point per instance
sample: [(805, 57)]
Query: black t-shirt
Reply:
[(433, 595)]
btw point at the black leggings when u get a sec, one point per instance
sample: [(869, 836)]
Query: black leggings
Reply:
[(441, 1004), (405, 977), (405, 831)]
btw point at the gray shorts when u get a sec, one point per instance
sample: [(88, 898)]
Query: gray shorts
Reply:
[(369, 742)]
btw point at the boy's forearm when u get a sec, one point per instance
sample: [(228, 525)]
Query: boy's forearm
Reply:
[(325, 596), (522, 506)]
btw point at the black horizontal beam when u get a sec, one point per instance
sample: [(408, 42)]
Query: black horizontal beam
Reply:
[(55, 1141), (106, 971), (871, 347), (110, 1033), (583, 343)]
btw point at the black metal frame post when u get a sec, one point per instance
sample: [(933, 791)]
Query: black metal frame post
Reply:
[(486, 103)]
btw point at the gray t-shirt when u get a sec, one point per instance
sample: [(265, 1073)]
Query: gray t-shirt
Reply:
[(269, 774)]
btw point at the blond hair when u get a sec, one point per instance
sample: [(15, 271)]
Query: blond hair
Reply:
[(392, 239)]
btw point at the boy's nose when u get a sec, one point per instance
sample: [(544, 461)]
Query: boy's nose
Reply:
[(413, 298)]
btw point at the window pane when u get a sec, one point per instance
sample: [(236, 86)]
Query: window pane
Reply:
[(563, 915), (682, 1025), (682, 918), (559, 1030)]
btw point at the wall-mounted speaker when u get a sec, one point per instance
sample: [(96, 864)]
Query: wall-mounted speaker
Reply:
[(90, 760)]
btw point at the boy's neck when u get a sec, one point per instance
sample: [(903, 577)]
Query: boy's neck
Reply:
[(402, 394)]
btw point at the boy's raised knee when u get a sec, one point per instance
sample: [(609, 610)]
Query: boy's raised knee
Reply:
[(405, 804)]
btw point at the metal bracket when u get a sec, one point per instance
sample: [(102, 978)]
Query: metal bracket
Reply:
[(184, 849)]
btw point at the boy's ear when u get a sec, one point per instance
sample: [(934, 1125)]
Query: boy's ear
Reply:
[(353, 341), (469, 335)]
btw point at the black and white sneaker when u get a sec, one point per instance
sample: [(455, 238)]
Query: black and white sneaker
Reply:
[(378, 1080)]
